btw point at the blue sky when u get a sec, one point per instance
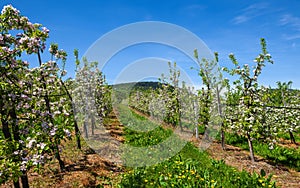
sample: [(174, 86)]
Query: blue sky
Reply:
[(225, 26)]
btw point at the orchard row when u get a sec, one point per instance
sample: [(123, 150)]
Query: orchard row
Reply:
[(241, 106), (39, 108)]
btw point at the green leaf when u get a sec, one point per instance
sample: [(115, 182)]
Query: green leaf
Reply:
[(262, 172)]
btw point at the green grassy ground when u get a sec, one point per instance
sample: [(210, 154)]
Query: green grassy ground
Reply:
[(188, 168)]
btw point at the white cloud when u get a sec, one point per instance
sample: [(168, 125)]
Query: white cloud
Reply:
[(257, 6), (290, 20), (293, 23), (250, 12), (241, 19), (291, 37)]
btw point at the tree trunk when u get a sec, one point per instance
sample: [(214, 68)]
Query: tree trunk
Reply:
[(16, 133), (93, 124), (15, 125), (180, 123), (250, 147), (24, 179), (221, 115), (57, 155), (17, 184), (47, 101), (223, 138), (4, 122), (292, 137), (73, 111), (85, 129), (77, 133), (179, 113), (197, 132), (5, 130), (206, 133)]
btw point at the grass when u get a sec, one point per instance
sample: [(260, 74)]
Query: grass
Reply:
[(188, 168)]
